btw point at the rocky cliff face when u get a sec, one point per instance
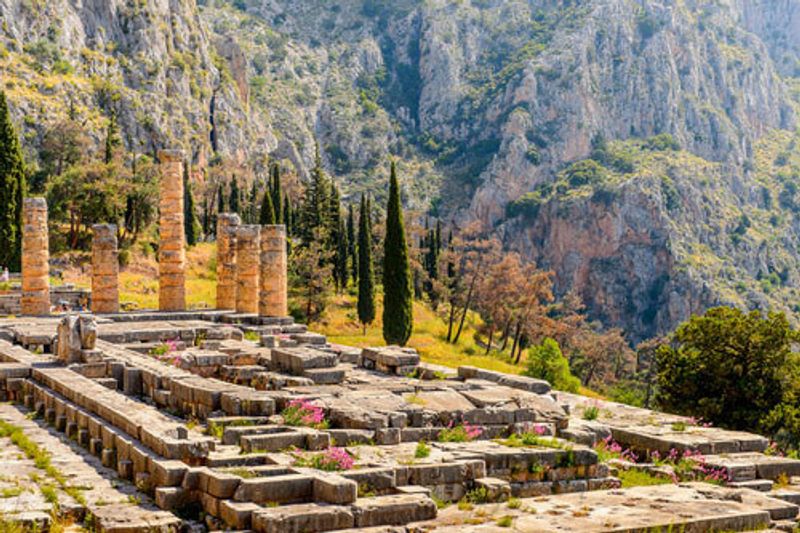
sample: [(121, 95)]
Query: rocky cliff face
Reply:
[(489, 104)]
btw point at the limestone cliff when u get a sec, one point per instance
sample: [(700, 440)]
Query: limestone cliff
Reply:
[(688, 109)]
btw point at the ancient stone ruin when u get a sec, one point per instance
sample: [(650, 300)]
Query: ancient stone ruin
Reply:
[(171, 250), (239, 419), (35, 258), (105, 269), (226, 260), (274, 294)]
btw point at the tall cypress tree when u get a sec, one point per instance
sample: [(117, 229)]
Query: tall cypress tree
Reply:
[(340, 272), (315, 207), (12, 190), (351, 242), (222, 206), (398, 313), (191, 225), (234, 197), (366, 278), (277, 194), (288, 215), (267, 216)]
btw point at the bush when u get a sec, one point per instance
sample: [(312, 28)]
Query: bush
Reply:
[(662, 143), (585, 172), (548, 363)]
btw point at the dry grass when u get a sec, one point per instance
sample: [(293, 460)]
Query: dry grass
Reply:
[(340, 325)]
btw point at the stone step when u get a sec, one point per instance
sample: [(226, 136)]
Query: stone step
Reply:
[(394, 510), (308, 518), (760, 485)]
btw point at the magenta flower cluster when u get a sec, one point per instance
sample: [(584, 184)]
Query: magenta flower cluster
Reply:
[(338, 458), (301, 412), (463, 432)]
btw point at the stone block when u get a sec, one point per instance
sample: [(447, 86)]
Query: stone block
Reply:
[(395, 510), (331, 488), (302, 518)]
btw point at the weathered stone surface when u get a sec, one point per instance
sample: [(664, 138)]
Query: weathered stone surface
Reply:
[(273, 296), (171, 250), (305, 517), (247, 269), (35, 258), (105, 269), (226, 260), (393, 510)]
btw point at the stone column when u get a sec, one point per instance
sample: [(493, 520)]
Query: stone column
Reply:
[(171, 250), (247, 267), (105, 269), (227, 223), (35, 258), (274, 278)]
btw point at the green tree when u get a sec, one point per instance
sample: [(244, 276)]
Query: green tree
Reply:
[(12, 190), (731, 368), (191, 224), (548, 363), (276, 190), (234, 198), (340, 272), (222, 205), (366, 279), (398, 313), (267, 215), (315, 207), (351, 242)]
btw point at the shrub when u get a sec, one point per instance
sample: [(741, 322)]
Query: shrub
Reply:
[(422, 451), (662, 143), (333, 459), (585, 172), (548, 363)]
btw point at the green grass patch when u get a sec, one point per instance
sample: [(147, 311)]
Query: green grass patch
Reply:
[(640, 478)]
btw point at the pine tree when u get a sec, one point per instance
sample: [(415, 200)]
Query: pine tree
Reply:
[(277, 194), (12, 190), (234, 198), (252, 204), (267, 216), (398, 319), (366, 281), (191, 225), (351, 241), (112, 138)]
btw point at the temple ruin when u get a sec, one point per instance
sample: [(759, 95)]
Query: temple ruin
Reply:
[(238, 418), (247, 268), (105, 269), (226, 260), (35, 298), (274, 294), (172, 248)]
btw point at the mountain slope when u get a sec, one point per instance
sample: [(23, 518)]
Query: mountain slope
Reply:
[(686, 108)]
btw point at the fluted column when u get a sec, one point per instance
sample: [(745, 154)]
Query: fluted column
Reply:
[(227, 223), (171, 250), (35, 258), (105, 269), (247, 269), (274, 277)]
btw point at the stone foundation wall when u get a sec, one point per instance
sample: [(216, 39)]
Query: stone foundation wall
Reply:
[(171, 251), (35, 258)]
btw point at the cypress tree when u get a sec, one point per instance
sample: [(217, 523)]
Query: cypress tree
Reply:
[(191, 225), (398, 319), (366, 281), (221, 205), (316, 206), (277, 194), (351, 241), (12, 190), (252, 204), (288, 217), (340, 273), (267, 216), (234, 197)]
